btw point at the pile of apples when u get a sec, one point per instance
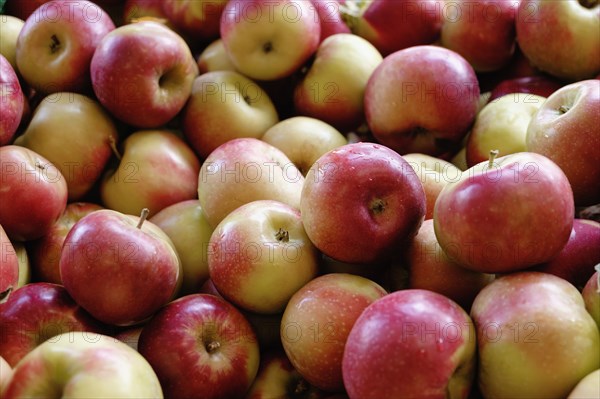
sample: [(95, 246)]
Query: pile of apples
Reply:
[(300, 199)]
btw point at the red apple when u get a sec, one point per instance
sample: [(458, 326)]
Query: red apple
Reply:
[(330, 18), (9, 267), (495, 218), (118, 267), (409, 343), (37, 312), (142, 73), (22, 9), (317, 321), (565, 129), (33, 195), (201, 346), (12, 102), (56, 44), (198, 19), (540, 85), (360, 201), (438, 93), (45, 251)]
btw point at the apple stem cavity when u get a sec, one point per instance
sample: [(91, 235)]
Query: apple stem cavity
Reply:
[(212, 347), (378, 206), (143, 217), (54, 45), (493, 155), (282, 235), (267, 47), (563, 109)]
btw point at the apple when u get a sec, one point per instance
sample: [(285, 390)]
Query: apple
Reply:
[(424, 334), (495, 218), (537, 323), (37, 312), (330, 18), (540, 85), (502, 125), (33, 195), (225, 105), (186, 225), (76, 134), (277, 378), (482, 31), (10, 27), (591, 295), (22, 9), (575, 262), (434, 174), (588, 387), (332, 92), (12, 101), (360, 201), (56, 44), (577, 55), (142, 73), (393, 25), (9, 267), (259, 255), (130, 336), (244, 170), (201, 346), (304, 139), (157, 169), (438, 93), (46, 251), (317, 321), (120, 268), (429, 268), (197, 19), (269, 40), (134, 10), (24, 264), (214, 58), (82, 365), (565, 130), (6, 373)]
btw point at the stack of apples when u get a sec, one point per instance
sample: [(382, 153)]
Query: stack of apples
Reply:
[(300, 199)]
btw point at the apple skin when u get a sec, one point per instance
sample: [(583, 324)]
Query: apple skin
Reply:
[(393, 25), (142, 73), (540, 85), (434, 174), (591, 296), (424, 334), (304, 139), (214, 58), (36, 312), (259, 255), (6, 373), (533, 317), (360, 201), (12, 101), (483, 32), (575, 262), (33, 195), (577, 55), (565, 129), (264, 42), (502, 125), (120, 273), (9, 267), (136, 9), (24, 264), (197, 19), (525, 189), (76, 134), (429, 268), (186, 225), (316, 323), (201, 346), (82, 365), (22, 9), (332, 92), (225, 105), (330, 18), (59, 38), (46, 251), (277, 378), (588, 387), (439, 95), (10, 27), (244, 170), (157, 169)]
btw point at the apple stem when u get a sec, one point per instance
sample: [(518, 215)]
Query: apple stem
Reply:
[(212, 346), (113, 146), (143, 217), (493, 155), (282, 235), (563, 109)]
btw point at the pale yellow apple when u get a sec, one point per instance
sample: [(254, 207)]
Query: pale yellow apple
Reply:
[(502, 125), (214, 57), (304, 139), (10, 27), (588, 387), (24, 265)]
